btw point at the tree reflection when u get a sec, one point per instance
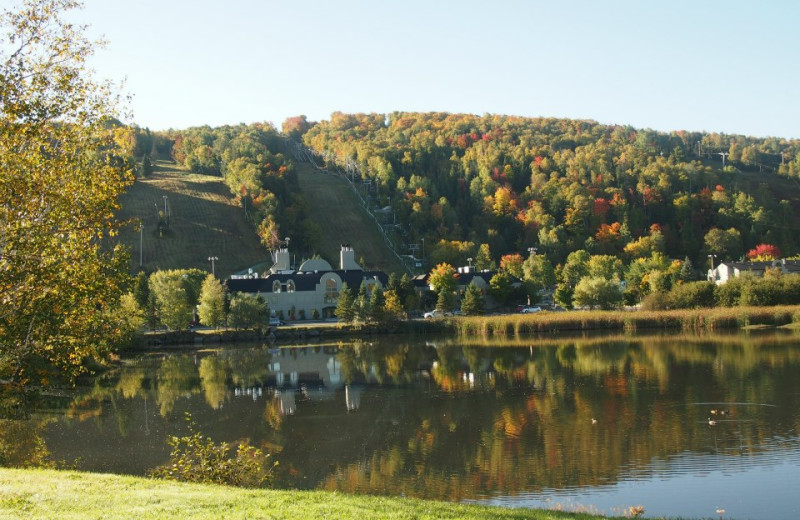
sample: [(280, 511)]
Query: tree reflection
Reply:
[(450, 420)]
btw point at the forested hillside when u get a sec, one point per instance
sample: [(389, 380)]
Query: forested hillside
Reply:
[(593, 201), (560, 185), (250, 160)]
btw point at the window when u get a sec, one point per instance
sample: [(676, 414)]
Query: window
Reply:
[(276, 286), (331, 290), (290, 286)]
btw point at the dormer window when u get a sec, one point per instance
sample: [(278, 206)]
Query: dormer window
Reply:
[(290, 286), (276, 286)]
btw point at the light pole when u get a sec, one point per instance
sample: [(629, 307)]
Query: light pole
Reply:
[(213, 259), (469, 261), (532, 251), (165, 210), (141, 241), (423, 252)]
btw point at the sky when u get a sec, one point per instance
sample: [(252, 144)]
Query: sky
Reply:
[(716, 66)]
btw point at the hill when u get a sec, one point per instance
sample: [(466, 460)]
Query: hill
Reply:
[(203, 221), (339, 214)]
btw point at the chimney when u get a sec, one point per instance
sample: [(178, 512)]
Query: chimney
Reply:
[(347, 259), (281, 260)]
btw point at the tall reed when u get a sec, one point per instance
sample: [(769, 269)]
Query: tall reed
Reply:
[(688, 320)]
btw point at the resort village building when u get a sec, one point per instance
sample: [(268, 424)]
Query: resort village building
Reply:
[(310, 291), (727, 270)]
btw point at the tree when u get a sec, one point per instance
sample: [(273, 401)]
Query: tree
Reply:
[(361, 304), (575, 268), (377, 305), (724, 243), (563, 295), (687, 271), (597, 292), (483, 260), (605, 266), (539, 272), (473, 303), (500, 287), (344, 307), (211, 308), (146, 167), (764, 253), (394, 310), (248, 311), (172, 303), (512, 264), (443, 277), (62, 168), (446, 301), (176, 293)]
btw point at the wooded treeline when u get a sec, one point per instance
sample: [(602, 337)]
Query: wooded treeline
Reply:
[(562, 185)]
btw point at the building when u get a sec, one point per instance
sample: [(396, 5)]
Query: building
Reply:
[(312, 290), (727, 270), (466, 276)]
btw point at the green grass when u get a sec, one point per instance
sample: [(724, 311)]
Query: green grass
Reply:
[(48, 494), (204, 221), (339, 214)]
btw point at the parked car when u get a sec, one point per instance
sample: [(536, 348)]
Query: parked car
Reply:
[(436, 314), (276, 322), (528, 310)]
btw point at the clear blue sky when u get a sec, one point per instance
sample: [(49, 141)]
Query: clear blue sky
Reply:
[(719, 66)]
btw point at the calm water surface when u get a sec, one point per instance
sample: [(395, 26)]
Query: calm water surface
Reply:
[(594, 424)]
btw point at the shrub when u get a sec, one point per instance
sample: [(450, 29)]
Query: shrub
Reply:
[(196, 458), (657, 301), (691, 295)]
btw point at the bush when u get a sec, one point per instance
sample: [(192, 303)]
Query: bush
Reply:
[(657, 301), (691, 295), (195, 458)]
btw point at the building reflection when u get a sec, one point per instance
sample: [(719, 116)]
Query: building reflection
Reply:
[(314, 374)]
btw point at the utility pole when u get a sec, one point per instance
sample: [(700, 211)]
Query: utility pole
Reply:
[(141, 241), (166, 215)]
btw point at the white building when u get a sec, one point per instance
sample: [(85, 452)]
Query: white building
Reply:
[(727, 270), (314, 286)]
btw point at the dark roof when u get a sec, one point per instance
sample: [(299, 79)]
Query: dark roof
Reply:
[(463, 278), (302, 281)]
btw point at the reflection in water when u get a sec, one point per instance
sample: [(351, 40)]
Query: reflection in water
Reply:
[(597, 421)]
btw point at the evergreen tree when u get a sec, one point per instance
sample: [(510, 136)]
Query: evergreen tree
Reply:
[(483, 260), (377, 305), (361, 307), (141, 290), (344, 307), (146, 166), (687, 271), (394, 309), (446, 301), (473, 303)]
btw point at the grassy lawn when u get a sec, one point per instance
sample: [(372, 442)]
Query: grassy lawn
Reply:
[(49, 494), (339, 214), (204, 221)]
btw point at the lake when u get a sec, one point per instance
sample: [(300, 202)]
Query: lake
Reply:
[(681, 425)]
